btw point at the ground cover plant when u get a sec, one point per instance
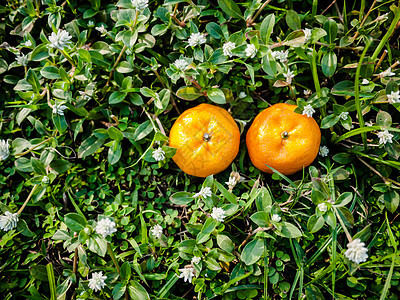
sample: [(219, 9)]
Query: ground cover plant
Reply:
[(93, 205)]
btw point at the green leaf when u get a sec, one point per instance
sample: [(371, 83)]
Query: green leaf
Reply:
[(329, 63), (115, 134), (60, 123), (97, 244), (117, 97), (267, 26), (216, 96), (181, 198), (391, 198), (214, 30), (261, 218), (225, 243), (24, 165), (114, 153), (33, 80), (188, 93), (39, 272), (289, 230), (315, 223), (209, 225), (85, 55), (137, 291), (126, 271), (90, 146), (75, 221), (253, 251), (293, 20), (331, 28), (37, 166), (50, 72), (393, 149), (230, 8), (329, 121), (383, 119)]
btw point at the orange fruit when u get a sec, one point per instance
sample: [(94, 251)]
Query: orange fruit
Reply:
[(207, 140), (283, 139)]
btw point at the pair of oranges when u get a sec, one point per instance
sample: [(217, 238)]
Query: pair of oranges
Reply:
[(207, 140)]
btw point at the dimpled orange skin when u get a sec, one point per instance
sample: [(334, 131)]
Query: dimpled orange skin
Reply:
[(195, 155), (266, 145)]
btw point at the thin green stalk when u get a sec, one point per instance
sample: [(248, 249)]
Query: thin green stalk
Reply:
[(386, 37), (334, 242), (314, 8), (27, 199), (315, 73), (357, 93), (265, 270), (114, 259), (34, 147), (350, 239), (69, 58)]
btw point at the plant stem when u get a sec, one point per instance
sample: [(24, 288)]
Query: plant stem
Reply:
[(27, 199), (115, 64), (114, 259), (251, 20), (343, 225), (66, 55), (386, 36), (357, 94), (34, 147)]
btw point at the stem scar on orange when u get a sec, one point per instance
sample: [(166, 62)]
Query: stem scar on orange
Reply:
[(207, 140), (283, 139)]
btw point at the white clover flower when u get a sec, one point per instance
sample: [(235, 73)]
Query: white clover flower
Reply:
[(96, 283), (307, 35), (387, 73), (365, 81), (105, 227), (204, 192), (140, 5), (251, 50), (276, 218), (45, 180), (218, 214), (22, 59), (158, 154), (59, 108), (356, 251), (307, 93), (231, 182), (157, 231), (227, 48), (308, 110), (8, 221), (323, 151), (242, 95), (196, 260), (393, 97), (28, 43), (84, 95), (322, 207), (4, 149), (344, 115), (281, 55), (60, 40), (385, 137), (90, 23), (187, 274), (196, 39), (101, 29), (289, 76), (181, 64)]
